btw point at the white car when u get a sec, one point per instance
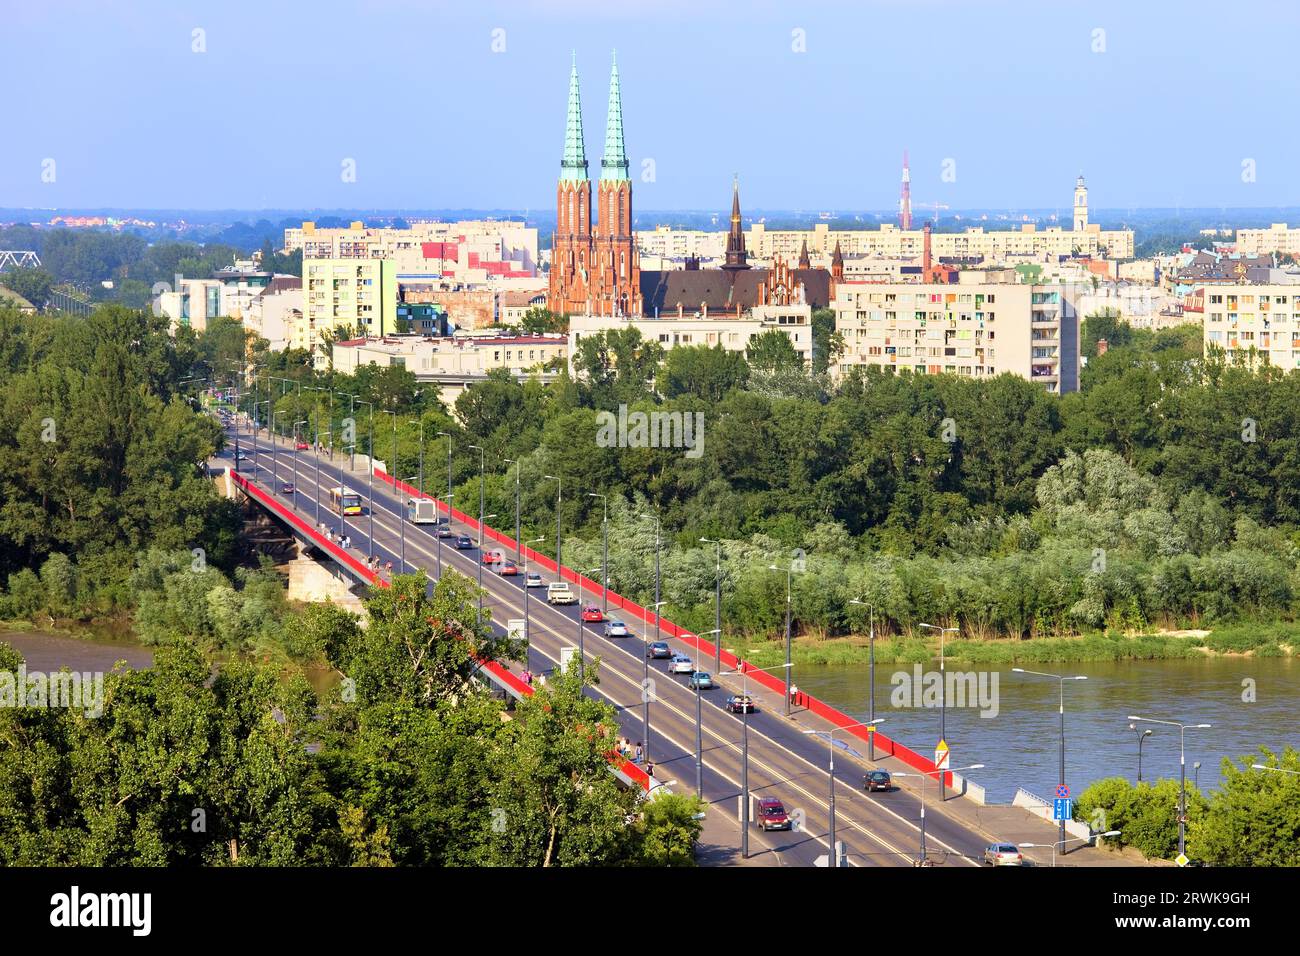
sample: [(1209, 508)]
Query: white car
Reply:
[(681, 664), (616, 629), (534, 580)]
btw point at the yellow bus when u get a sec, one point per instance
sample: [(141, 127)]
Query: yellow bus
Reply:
[(345, 501)]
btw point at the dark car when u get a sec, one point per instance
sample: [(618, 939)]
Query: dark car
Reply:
[(878, 780), (772, 815), (740, 704), (659, 649), (286, 488), (464, 542)]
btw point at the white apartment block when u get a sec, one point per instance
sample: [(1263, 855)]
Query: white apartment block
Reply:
[(976, 330), (1262, 242), (733, 334), (1254, 324), (472, 250), (344, 294)]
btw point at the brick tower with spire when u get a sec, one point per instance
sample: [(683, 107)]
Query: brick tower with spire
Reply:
[(736, 257), (571, 249), (617, 278)]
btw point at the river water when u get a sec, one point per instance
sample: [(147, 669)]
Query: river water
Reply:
[(1019, 746)]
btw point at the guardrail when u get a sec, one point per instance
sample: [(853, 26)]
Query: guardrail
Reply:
[(623, 768), (884, 744)]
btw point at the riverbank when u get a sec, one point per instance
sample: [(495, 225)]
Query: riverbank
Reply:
[(1274, 639)]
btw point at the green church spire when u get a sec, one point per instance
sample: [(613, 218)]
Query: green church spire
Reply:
[(574, 165), (613, 166)]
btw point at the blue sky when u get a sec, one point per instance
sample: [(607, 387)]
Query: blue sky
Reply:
[(1012, 93)]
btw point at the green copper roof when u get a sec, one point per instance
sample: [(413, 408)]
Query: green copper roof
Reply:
[(574, 164), (614, 163)]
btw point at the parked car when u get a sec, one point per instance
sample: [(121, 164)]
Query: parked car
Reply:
[(286, 487), (878, 780), (740, 704), (464, 542), (558, 593), (658, 649), (616, 629), (534, 580), (701, 679), (301, 445), (592, 614), (681, 664), (508, 569), (771, 815), (1003, 854)]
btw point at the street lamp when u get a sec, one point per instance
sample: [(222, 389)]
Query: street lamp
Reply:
[(582, 626), (1061, 843), (645, 682), (1060, 834), (921, 860), (482, 518), (437, 533), (717, 600), (743, 670), (658, 603), (518, 543), (447, 435), (871, 670), (420, 422), (699, 732), (604, 552), (789, 570), (830, 738), (1182, 772), (527, 589), (1260, 766), (559, 488), (370, 467), (943, 691), (1141, 736)]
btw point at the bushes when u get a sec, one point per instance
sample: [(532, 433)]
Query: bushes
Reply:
[(1145, 815)]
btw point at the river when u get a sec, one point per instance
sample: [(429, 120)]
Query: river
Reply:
[(1019, 746)]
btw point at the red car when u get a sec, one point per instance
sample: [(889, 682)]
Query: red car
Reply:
[(592, 614), (508, 569), (772, 815), (301, 445), (493, 557)]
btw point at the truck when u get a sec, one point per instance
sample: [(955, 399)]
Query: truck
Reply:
[(559, 593)]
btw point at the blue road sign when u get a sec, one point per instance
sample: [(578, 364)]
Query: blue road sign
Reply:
[(1062, 809)]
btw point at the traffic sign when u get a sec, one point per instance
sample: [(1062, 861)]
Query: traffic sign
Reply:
[(941, 754), (1181, 859), (1062, 808), (1062, 792)]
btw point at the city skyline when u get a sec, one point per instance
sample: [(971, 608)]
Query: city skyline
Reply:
[(457, 109)]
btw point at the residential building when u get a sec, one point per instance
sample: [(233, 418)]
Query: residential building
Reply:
[(345, 294), (1278, 237), (974, 329), (1254, 324), (729, 331), (472, 250)]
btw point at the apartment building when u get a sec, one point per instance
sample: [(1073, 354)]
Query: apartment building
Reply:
[(471, 251), (1278, 237), (1254, 324), (354, 294), (731, 332), (974, 329)]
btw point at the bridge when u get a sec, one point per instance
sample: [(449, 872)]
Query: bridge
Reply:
[(786, 756), (19, 259)]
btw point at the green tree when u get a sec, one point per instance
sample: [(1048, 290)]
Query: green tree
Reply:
[(34, 285)]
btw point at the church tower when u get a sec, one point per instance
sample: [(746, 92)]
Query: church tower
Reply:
[(1080, 206), (736, 257), (617, 276), (571, 262)]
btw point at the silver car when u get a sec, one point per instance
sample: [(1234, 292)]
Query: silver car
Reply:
[(681, 664), (1003, 854), (616, 629), (534, 580)]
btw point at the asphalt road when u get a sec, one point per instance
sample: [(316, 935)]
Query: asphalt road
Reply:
[(880, 829)]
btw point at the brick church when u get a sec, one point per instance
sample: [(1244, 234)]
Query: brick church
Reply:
[(598, 272)]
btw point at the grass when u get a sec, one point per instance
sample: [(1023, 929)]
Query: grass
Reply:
[(1273, 639)]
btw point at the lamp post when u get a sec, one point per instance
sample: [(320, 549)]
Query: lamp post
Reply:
[(943, 692), (1061, 843), (1196, 775), (1182, 772), (559, 488), (408, 481), (1141, 736), (447, 435), (318, 434), (437, 533), (921, 860), (420, 422), (830, 738), (1060, 834), (743, 670), (527, 589), (352, 410), (582, 626), (604, 552), (481, 453), (1260, 766), (645, 685), (402, 516), (658, 603), (370, 467), (717, 600), (789, 570), (482, 518), (699, 724), (871, 671), (519, 550)]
